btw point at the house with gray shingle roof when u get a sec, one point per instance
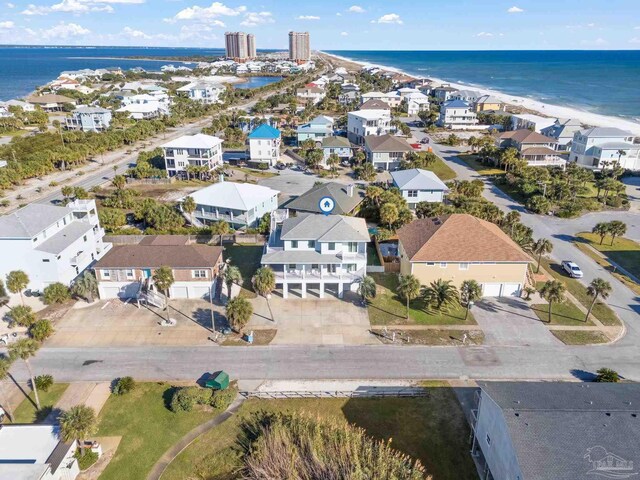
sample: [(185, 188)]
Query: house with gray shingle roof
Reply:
[(347, 198), (418, 185), (341, 146), (601, 148), (556, 430), (316, 253), (386, 151)]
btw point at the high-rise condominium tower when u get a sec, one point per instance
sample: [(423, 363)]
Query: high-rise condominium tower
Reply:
[(239, 45), (299, 49)]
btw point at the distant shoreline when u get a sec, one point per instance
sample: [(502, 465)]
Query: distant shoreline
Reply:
[(146, 59), (536, 106)]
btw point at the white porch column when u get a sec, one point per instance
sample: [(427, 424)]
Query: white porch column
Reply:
[(321, 289), (340, 290), (304, 289), (285, 291)]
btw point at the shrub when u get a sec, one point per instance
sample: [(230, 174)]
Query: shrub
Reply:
[(538, 204), (221, 399), (44, 382), (262, 166), (124, 385), (606, 375), (615, 202), (86, 460), (41, 330), (23, 315), (185, 398), (56, 293)]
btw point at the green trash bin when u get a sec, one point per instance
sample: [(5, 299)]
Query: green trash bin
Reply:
[(218, 381)]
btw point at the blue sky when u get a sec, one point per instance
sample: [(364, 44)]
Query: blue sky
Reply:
[(334, 25)]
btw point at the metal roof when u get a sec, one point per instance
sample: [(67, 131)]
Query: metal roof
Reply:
[(325, 228), (31, 220), (265, 131), (236, 196), (417, 179), (199, 140), (65, 237)]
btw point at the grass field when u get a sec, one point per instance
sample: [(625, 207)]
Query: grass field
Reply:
[(580, 337), (624, 251), (472, 161), (388, 309), (565, 313), (247, 259), (600, 310), (442, 170), (26, 411), (431, 429), (148, 428)]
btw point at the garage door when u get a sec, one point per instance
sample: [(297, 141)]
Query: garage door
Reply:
[(511, 290), (111, 292), (199, 292), (491, 289), (179, 292)]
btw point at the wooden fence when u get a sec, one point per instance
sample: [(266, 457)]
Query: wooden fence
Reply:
[(255, 239)]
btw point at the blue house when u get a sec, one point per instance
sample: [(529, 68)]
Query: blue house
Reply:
[(264, 144), (316, 129)]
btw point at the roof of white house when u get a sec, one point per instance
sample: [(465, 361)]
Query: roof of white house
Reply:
[(65, 237), (370, 114), (325, 228), (455, 104), (30, 220), (140, 107), (199, 140), (417, 179), (417, 95), (237, 196), (617, 146), (605, 132), (91, 110), (374, 95), (534, 118), (322, 120)]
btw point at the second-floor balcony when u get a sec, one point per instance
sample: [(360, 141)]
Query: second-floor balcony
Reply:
[(324, 273), (229, 217)]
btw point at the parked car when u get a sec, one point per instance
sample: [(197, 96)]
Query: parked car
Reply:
[(424, 140), (572, 269)]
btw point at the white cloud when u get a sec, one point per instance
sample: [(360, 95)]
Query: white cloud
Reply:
[(7, 25), (132, 33), (355, 9), (598, 42), (635, 40), (63, 31), (10, 5), (637, 28), (35, 10), (484, 34), (308, 17), (389, 18), (344, 34), (338, 14), (515, 9), (251, 19), (76, 6), (216, 9)]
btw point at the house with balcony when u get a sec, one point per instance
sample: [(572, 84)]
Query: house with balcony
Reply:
[(50, 243), (457, 114), (489, 103), (563, 131), (600, 148), (316, 254), (417, 185), (363, 123), (443, 93), (386, 152), (310, 93), (264, 144), (316, 129), (239, 204), (375, 105), (50, 102), (416, 102), (198, 150), (126, 271), (203, 91), (528, 121), (536, 149), (340, 146), (89, 119)]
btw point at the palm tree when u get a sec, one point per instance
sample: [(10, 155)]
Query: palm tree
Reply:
[(408, 288), (470, 291), (601, 229), (607, 375), (389, 214), (17, 281), (541, 247), (509, 158), (597, 288), (86, 286), (189, 206), (119, 182), (264, 281), (163, 278), (232, 275), (552, 291), (5, 366), (78, 423), (332, 163), (24, 349), (367, 288), (617, 229), (441, 293), (239, 311)]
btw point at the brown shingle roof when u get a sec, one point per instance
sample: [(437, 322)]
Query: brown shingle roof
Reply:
[(538, 151), (49, 98), (458, 238), (165, 240), (387, 143), (527, 136), (374, 104), (154, 256)]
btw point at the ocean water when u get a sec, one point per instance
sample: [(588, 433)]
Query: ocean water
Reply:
[(604, 82), (22, 69)]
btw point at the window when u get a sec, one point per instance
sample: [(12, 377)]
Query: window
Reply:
[(106, 274), (199, 274), (331, 246), (129, 273), (412, 193), (294, 243), (430, 264), (311, 244), (464, 266), (488, 440), (353, 247), (351, 267), (45, 260), (443, 264), (84, 238)]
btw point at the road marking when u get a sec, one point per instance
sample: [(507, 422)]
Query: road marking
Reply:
[(105, 305)]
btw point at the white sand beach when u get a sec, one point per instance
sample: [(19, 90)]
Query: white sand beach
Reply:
[(543, 109)]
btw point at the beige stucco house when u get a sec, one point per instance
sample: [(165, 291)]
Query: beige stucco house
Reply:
[(462, 247)]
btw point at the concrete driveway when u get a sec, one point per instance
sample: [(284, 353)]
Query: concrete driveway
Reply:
[(509, 321), (327, 321)]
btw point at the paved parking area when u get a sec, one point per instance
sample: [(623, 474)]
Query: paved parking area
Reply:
[(510, 321)]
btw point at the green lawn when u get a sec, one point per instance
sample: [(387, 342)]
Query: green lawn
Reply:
[(254, 172), (148, 428), (472, 161), (389, 309), (431, 429), (624, 251), (565, 313), (442, 170), (600, 310), (26, 411), (580, 337), (247, 259)]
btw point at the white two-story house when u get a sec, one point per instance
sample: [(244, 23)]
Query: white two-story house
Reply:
[(313, 254), (417, 185), (89, 119), (192, 150), (367, 122), (264, 144), (457, 114), (202, 91), (51, 244), (600, 147)]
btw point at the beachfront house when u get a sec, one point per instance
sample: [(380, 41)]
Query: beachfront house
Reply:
[(386, 152), (200, 150), (563, 131), (456, 114), (316, 129), (363, 123), (536, 149), (469, 96), (443, 93), (50, 102), (527, 121), (417, 185), (601, 147), (89, 119), (489, 103), (314, 254), (203, 91), (264, 144)]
